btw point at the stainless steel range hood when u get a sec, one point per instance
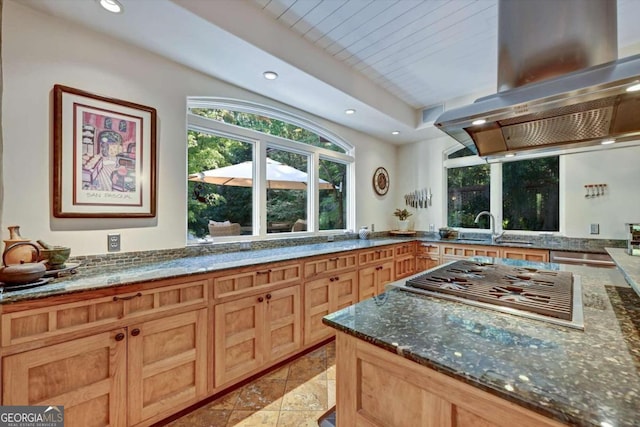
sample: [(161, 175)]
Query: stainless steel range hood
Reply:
[(560, 85)]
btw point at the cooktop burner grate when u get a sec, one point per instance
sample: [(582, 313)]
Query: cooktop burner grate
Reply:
[(542, 292)]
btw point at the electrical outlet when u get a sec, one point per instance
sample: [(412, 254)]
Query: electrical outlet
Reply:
[(245, 246), (331, 238), (373, 228), (595, 229), (113, 242)]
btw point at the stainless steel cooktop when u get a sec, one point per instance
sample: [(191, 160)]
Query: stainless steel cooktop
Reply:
[(548, 295)]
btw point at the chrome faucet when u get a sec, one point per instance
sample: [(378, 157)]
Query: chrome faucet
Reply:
[(494, 236)]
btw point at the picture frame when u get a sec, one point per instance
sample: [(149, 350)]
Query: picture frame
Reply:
[(104, 156)]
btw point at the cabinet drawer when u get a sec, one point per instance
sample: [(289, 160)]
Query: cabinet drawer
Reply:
[(429, 248), (328, 265), (246, 281), (375, 255), (405, 249), (29, 325)]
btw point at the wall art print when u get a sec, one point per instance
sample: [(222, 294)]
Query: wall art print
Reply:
[(104, 156)]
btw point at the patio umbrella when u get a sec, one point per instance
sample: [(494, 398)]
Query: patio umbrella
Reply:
[(279, 176)]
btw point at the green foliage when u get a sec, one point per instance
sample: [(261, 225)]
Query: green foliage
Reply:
[(402, 214), (468, 194)]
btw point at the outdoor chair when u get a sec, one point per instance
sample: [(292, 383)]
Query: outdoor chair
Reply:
[(226, 228)]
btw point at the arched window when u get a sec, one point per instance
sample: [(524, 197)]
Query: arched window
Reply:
[(258, 171)]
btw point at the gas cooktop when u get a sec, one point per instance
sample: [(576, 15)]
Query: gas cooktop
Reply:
[(548, 295)]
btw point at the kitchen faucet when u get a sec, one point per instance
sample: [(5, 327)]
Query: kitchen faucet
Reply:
[(494, 236)]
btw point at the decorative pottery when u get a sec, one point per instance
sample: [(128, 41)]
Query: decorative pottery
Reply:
[(364, 233), (403, 225), (19, 254), (23, 272)]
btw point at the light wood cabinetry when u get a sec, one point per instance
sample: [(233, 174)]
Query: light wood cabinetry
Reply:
[(404, 259), (324, 296), (379, 388), (166, 364), (427, 256), (452, 252), (54, 375), (115, 378), (322, 266), (255, 330), (248, 279), (376, 270), (536, 255)]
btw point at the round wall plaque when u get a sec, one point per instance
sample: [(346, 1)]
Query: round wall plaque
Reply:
[(381, 181)]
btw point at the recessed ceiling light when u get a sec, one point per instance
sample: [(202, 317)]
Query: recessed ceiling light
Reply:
[(608, 141), (350, 111), (479, 122), (270, 75), (634, 88), (510, 155), (395, 132), (112, 6)]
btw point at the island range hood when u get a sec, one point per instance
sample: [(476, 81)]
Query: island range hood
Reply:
[(560, 84)]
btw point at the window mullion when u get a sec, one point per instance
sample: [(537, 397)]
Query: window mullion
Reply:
[(495, 194)]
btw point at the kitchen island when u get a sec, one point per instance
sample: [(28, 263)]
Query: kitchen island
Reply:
[(409, 359)]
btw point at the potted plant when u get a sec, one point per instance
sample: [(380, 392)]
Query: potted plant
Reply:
[(403, 222)]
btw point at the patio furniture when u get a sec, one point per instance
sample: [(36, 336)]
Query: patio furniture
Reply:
[(226, 228)]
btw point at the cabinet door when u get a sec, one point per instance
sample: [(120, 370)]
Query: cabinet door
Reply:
[(537, 255), (325, 296), (367, 282), (283, 323), (239, 337), (405, 266), (167, 366), (86, 375), (316, 306), (385, 275)]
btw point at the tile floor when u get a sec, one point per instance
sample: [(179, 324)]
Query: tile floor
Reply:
[(295, 395)]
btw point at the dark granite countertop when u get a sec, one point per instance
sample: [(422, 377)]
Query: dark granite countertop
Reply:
[(629, 265), (584, 378), (183, 267), (551, 243)]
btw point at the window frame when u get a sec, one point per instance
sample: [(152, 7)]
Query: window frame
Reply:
[(495, 188), (261, 141)]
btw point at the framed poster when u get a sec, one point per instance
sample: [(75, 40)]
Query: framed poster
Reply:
[(104, 156)]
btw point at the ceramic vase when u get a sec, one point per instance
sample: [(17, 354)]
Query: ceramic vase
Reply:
[(364, 233), (403, 225), (24, 253)]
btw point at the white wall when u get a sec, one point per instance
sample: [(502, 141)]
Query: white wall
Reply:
[(40, 51)]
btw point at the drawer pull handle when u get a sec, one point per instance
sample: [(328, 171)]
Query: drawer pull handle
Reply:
[(260, 299), (139, 294), (331, 279), (135, 332), (268, 296), (119, 336), (337, 278), (334, 259), (264, 271)]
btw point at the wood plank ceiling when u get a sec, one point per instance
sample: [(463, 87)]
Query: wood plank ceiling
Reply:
[(424, 52)]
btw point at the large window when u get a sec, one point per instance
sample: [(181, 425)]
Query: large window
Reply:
[(256, 172), (523, 195)]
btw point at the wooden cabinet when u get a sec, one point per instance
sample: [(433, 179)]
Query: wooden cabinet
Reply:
[(536, 255), (248, 279), (87, 375), (371, 280), (324, 296), (323, 266), (166, 364), (144, 370), (253, 331), (452, 252), (427, 256), (379, 388), (404, 260)]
